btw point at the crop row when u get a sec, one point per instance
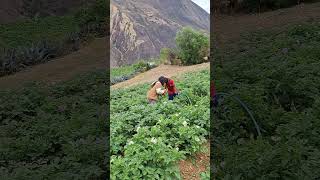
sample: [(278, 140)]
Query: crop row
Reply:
[(147, 141), (55, 132)]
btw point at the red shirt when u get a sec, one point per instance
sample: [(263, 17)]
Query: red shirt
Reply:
[(212, 89), (171, 87)]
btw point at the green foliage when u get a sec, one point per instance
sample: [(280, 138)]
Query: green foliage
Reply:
[(276, 74), (169, 56), (123, 70), (124, 73), (205, 175), (27, 32), (192, 46), (142, 66), (94, 17), (148, 140), (56, 132), (165, 55), (23, 41)]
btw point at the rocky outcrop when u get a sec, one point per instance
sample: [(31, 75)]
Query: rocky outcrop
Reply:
[(140, 28)]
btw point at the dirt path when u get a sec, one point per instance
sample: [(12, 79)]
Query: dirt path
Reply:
[(154, 74), (191, 169), (230, 28), (91, 57)]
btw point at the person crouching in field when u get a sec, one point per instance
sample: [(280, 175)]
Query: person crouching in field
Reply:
[(156, 90), (171, 88)]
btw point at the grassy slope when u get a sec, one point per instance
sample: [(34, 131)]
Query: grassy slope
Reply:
[(24, 33), (277, 75), (122, 71), (52, 28)]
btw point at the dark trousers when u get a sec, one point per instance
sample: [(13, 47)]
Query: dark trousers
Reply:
[(214, 102), (171, 96)]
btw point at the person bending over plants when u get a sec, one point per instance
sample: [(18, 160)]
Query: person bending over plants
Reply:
[(156, 90), (171, 88)]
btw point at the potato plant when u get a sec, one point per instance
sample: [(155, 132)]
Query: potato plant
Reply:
[(55, 132), (147, 141)]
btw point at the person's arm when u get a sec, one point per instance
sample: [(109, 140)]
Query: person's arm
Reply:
[(159, 89)]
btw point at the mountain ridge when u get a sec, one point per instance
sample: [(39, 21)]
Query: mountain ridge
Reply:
[(140, 28)]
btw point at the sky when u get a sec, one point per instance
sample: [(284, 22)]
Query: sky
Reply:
[(205, 4)]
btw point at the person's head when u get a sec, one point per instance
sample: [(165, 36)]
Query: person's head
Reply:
[(163, 80)]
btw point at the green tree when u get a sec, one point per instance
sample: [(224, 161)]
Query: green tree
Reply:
[(192, 46), (164, 54), (167, 56)]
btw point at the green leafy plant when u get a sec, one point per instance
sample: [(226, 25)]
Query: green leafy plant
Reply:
[(191, 46), (55, 132), (123, 73), (275, 73), (148, 141)]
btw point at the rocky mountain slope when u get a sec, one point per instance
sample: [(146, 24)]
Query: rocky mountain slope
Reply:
[(140, 28)]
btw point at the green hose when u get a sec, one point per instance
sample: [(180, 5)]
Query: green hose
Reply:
[(247, 110)]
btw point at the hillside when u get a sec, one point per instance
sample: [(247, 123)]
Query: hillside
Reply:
[(12, 10), (162, 70), (89, 58), (140, 28), (230, 28)]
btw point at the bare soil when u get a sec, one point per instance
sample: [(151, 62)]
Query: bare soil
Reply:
[(89, 58), (162, 70), (228, 28), (191, 169)]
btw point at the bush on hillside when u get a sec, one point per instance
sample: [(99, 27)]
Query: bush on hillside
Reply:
[(164, 55), (169, 56), (143, 66), (94, 17), (192, 46)]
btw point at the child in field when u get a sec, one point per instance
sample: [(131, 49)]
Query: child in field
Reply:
[(156, 90)]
